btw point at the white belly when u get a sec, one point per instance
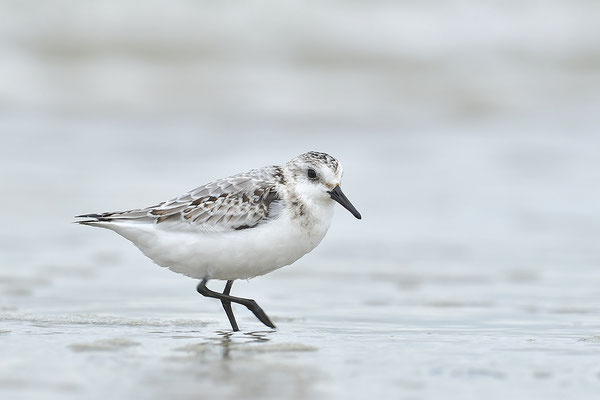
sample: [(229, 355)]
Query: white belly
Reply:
[(229, 255)]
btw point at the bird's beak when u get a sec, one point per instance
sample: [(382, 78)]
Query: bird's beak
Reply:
[(340, 197)]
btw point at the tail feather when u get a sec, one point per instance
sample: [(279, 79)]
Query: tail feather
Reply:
[(91, 222), (138, 215), (104, 217), (90, 215), (95, 216)]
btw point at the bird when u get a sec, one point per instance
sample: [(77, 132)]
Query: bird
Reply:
[(239, 227)]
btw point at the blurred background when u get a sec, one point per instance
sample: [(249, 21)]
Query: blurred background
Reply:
[(468, 131)]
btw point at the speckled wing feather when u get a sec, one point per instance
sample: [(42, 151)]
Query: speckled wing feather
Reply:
[(238, 202)]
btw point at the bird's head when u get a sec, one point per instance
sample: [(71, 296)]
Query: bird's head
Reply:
[(317, 177)]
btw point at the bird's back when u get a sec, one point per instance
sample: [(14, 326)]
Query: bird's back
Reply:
[(237, 202)]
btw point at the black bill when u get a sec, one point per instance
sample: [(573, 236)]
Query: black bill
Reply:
[(341, 198)]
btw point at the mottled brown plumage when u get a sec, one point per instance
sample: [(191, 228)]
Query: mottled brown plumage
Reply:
[(238, 202)]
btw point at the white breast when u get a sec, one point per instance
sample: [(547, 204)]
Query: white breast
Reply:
[(231, 255)]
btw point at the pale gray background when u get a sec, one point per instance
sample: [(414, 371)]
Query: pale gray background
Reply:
[(469, 135)]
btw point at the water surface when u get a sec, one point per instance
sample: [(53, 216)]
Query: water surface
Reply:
[(469, 137)]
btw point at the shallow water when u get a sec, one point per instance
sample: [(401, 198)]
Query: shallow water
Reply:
[(476, 302), (341, 334), (471, 149)]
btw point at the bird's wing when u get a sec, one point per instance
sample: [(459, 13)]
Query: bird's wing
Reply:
[(238, 202)]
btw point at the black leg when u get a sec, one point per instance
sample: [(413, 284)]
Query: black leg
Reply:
[(249, 303), (227, 307)]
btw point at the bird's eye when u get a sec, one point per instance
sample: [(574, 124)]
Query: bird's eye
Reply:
[(312, 174)]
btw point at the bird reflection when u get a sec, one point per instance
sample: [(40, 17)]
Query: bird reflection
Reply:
[(229, 339)]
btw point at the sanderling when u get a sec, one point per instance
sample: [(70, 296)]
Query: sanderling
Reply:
[(238, 227)]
